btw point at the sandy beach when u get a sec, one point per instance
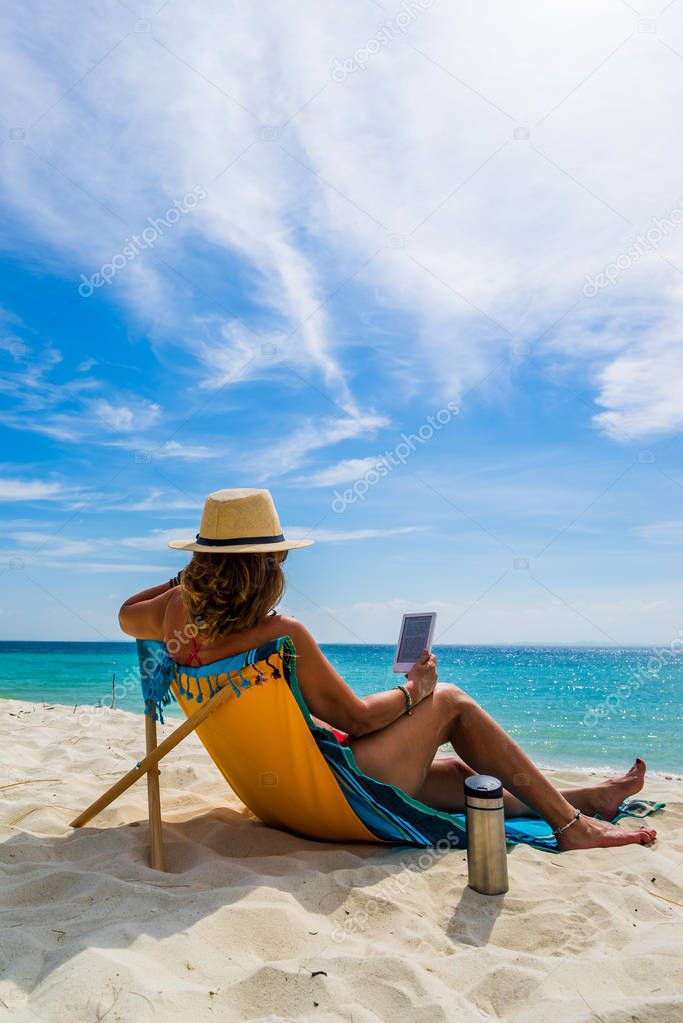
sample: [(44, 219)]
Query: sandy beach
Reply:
[(254, 924)]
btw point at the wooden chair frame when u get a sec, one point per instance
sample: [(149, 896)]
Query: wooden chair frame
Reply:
[(148, 766)]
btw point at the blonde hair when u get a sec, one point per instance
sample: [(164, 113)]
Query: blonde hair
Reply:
[(225, 593)]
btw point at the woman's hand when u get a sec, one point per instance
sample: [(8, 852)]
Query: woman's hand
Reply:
[(423, 676)]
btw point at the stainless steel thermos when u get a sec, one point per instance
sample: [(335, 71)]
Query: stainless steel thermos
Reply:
[(487, 864)]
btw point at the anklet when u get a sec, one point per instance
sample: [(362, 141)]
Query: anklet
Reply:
[(559, 831)]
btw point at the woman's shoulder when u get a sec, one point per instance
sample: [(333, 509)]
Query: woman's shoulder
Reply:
[(172, 609), (284, 625)]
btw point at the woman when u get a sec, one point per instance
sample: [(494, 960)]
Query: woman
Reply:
[(223, 603)]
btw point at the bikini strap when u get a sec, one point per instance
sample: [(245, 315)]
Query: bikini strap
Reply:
[(194, 659)]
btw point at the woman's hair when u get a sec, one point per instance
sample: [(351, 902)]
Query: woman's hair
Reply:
[(226, 593)]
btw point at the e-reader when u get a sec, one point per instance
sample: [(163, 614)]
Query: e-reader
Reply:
[(415, 636)]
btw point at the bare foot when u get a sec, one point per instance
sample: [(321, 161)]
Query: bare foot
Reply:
[(609, 795), (589, 833)]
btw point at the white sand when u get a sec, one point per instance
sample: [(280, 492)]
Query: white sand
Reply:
[(248, 915)]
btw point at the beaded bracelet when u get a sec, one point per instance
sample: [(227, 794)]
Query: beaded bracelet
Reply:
[(409, 699)]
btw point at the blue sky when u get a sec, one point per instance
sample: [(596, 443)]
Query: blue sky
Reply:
[(227, 262)]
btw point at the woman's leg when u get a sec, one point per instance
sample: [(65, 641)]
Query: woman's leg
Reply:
[(443, 789), (402, 755)]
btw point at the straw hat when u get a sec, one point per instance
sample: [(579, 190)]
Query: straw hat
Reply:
[(239, 522)]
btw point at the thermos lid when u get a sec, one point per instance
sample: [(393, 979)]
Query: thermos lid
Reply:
[(483, 786)]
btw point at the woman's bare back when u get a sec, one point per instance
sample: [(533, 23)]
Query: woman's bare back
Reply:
[(177, 634)]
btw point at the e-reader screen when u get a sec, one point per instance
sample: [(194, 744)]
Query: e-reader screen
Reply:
[(414, 638)]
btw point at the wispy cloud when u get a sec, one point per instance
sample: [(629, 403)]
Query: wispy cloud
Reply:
[(14, 346), (17, 489), (75, 410), (284, 456), (146, 448), (125, 418), (53, 550), (344, 535), (641, 390), (157, 539), (340, 472), (106, 567), (59, 546), (669, 532), (70, 409), (176, 449), (316, 192), (157, 501)]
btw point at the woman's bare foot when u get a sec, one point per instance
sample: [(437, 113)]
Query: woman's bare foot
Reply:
[(589, 833), (609, 795)]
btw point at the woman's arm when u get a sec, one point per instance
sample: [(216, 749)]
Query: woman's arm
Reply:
[(328, 696), (142, 615)]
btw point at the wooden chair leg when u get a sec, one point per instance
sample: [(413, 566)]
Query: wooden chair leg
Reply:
[(156, 838), (152, 759)]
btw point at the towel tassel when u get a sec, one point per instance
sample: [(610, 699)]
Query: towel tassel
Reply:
[(276, 671)]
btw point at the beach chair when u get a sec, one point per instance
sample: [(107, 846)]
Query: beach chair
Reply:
[(251, 717)]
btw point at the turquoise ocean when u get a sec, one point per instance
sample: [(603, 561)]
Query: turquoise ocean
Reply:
[(567, 706)]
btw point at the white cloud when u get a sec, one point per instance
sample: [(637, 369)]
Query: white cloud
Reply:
[(343, 535), (74, 411), (341, 472), (15, 489), (175, 449), (147, 449), (11, 525), (406, 178), (641, 391), (69, 410), (107, 567), (16, 348), (121, 418), (157, 501), (292, 452), (157, 539), (231, 352), (668, 532), (53, 544), (53, 550)]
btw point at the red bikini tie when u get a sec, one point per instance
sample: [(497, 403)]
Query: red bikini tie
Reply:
[(194, 654)]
